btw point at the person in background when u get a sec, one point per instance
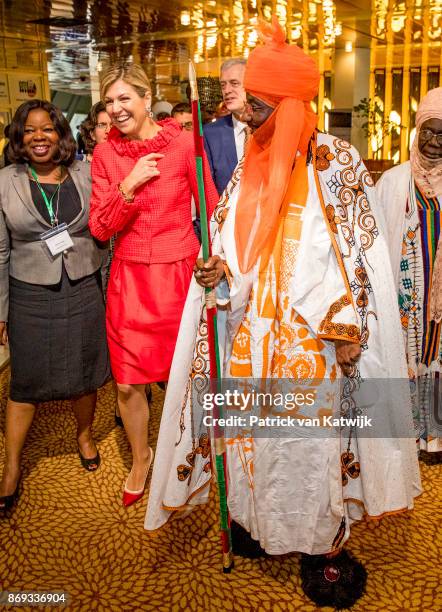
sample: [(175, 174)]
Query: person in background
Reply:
[(143, 178), (224, 139), (182, 112), (222, 110), (81, 147), (51, 304), (3, 137), (95, 128), (411, 198), (207, 114), (161, 110), (5, 158)]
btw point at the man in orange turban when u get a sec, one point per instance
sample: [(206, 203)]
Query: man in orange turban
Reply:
[(287, 80), (307, 313)]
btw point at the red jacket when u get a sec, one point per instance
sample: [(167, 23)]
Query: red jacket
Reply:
[(157, 226)]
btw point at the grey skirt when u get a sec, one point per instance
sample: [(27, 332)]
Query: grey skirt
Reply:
[(57, 339)]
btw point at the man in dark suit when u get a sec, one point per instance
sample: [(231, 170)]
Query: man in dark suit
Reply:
[(224, 139)]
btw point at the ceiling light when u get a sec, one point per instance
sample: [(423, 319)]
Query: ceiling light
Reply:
[(338, 29), (185, 18), (395, 118), (397, 23)]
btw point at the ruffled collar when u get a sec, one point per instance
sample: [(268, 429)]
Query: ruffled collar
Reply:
[(137, 148)]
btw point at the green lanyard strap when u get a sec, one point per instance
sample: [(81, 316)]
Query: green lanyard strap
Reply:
[(45, 197)]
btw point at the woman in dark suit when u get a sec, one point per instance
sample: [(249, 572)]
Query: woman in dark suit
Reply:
[(51, 305)]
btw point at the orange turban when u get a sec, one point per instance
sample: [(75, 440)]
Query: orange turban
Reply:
[(284, 77)]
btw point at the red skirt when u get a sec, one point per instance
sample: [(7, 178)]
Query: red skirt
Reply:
[(144, 307)]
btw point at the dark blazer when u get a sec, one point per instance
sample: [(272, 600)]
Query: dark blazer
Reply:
[(219, 142), (22, 254)]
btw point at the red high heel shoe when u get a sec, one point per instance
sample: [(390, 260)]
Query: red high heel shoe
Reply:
[(131, 497)]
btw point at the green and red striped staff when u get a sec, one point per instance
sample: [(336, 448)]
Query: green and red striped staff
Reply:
[(215, 366)]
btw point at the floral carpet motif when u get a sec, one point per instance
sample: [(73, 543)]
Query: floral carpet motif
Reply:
[(69, 531)]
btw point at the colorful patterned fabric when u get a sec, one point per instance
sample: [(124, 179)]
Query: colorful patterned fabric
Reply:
[(330, 275), (289, 348), (430, 219), (422, 336)]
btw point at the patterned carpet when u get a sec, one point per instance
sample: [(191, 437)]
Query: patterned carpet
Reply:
[(69, 531)]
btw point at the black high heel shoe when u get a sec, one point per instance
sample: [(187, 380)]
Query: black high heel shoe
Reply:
[(7, 501), (90, 465)]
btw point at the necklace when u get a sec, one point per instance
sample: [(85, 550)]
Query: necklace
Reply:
[(52, 216)]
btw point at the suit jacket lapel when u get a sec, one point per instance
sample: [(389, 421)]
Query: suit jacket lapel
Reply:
[(75, 173), (20, 180)]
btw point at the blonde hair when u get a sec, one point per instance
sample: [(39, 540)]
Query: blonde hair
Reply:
[(133, 74)]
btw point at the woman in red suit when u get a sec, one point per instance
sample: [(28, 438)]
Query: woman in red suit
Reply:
[(143, 179)]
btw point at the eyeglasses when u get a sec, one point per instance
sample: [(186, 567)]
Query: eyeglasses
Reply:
[(426, 135), (104, 126)]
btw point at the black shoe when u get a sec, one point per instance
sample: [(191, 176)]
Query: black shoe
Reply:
[(434, 458), (7, 501), (90, 465), (243, 545), (337, 582)]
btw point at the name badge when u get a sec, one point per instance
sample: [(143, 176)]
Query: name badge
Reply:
[(57, 239)]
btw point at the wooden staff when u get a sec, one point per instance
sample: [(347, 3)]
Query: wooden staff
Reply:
[(215, 366)]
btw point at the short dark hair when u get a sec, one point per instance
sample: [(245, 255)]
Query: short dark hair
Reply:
[(89, 124), (181, 107), (66, 145)]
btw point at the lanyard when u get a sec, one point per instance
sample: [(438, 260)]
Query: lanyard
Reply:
[(45, 197)]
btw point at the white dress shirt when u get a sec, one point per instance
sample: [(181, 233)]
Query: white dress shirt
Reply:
[(239, 131)]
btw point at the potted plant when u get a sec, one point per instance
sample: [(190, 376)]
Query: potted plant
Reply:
[(375, 127)]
